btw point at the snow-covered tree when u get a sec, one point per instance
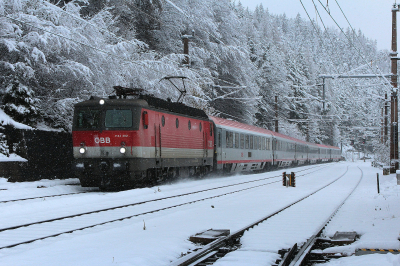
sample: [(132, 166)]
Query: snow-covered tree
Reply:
[(64, 51), (20, 103)]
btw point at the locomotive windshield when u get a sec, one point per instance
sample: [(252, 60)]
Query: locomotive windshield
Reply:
[(118, 118), (88, 119)]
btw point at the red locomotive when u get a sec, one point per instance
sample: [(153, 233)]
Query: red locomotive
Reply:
[(142, 140), (120, 141)]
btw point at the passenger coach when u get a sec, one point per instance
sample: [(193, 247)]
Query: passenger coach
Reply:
[(240, 147)]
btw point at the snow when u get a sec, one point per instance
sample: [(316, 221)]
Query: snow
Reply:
[(12, 158), (161, 237), (177, 8), (6, 120)]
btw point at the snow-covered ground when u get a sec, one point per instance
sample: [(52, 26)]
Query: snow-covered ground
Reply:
[(376, 217), (165, 238)]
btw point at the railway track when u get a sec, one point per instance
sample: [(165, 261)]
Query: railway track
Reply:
[(270, 227), (96, 189), (29, 232), (45, 196)]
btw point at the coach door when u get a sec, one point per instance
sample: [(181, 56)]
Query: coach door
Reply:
[(218, 148), (204, 143), (157, 138)]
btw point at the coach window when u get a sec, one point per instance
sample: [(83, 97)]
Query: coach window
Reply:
[(177, 123), (163, 121), (241, 141), (219, 138), (227, 139), (263, 143), (237, 140), (267, 144), (189, 125), (251, 143), (200, 127), (211, 130), (247, 141)]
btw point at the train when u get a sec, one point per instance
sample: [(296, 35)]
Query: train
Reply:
[(133, 139)]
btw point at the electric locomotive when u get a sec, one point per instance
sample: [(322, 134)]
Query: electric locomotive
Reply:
[(139, 139)]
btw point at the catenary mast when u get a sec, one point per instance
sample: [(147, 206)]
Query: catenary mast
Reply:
[(394, 134)]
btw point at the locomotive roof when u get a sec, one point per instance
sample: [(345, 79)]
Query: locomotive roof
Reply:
[(94, 102), (173, 107), (146, 101)]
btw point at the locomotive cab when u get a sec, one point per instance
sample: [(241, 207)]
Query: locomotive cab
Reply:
[(104, 134)]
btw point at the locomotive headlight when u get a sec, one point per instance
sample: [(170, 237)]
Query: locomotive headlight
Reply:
[(122, 149), (102, 101), (82, 150)]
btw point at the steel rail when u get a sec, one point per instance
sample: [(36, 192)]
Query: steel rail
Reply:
[(142, 202), (48, 196), (200, 255), (135, 215), (306, 248)]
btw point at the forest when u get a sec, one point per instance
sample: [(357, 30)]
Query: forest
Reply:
[(56, 53)]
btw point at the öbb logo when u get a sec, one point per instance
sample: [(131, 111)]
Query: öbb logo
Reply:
[(102, 140)]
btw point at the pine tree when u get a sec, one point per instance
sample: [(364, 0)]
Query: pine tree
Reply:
[(19, 102)]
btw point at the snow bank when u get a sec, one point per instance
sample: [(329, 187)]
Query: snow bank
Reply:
[(12, 158)]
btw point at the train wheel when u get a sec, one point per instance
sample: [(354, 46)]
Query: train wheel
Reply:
[(152, 177)]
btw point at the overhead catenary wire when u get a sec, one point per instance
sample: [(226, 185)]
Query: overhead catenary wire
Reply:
[(358, 50), (367, 64)]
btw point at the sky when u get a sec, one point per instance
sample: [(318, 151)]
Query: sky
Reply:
[(372, 17)]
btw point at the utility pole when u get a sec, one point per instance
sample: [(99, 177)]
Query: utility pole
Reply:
[(276, 113), (185, 39), (385, 135), (382, 126), (323, 94), (394, 134)]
